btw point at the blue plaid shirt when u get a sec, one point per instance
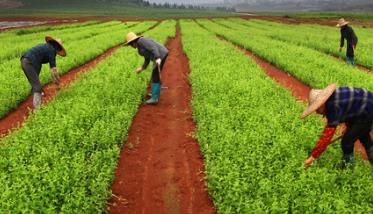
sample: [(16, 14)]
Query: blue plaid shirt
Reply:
[(349, 104)]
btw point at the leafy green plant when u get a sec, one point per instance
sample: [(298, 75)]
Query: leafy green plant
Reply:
[(322, 38), (254, 143), (81, 46), (312, 67), (63, 159)]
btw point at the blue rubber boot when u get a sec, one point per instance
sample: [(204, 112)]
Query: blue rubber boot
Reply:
[(156, 90), (348, 161), (370, 154), (350, 60)]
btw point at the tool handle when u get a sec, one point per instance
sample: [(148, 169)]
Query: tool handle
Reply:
[(337, 138), (159, 70)]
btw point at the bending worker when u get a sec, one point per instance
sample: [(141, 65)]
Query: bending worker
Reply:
[(348, 34), (154, 51), (353, 106), (32, 61)]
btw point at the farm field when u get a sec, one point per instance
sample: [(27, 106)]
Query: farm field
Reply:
[(224, 137)]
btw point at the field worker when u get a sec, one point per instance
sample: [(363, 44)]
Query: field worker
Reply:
[(32, 61), (348, 34), (353, 106), (154, 51)]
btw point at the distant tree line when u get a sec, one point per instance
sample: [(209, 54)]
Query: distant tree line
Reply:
[(142, 3), (182, 6)]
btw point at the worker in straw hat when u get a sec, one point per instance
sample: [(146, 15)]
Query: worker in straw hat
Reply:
[(154, 51), (353, 106), (348, 33), (32, 61)]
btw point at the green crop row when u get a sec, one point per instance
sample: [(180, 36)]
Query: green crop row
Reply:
[(312, 67), (63, 159), (14, 47), (254, 143), (321, 38), (15, 87)]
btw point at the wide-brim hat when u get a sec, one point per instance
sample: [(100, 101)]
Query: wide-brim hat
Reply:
[(131, 37), (317, 98), (341, 22), (62, 51)]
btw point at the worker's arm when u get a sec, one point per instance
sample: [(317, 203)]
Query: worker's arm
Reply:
[(322, 144), (144, 65), (342, 42), (55, 75)]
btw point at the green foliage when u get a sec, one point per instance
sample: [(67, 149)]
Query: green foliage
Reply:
[(312, 67), (254, 143), (82, 45), (321, 38), (72, 8), (63, 159)]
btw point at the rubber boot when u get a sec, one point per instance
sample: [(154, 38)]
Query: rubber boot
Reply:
[(162, 88), (156, 90), (36, 101), (348, 160), (370, 154)]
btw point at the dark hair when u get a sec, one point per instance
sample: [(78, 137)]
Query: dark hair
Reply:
[(55, 45)]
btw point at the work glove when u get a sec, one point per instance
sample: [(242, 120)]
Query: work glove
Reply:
[(158, 61), (138, 70)]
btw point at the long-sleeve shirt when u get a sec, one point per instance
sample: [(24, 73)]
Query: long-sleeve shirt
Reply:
[(348, 34), (41, 54), (150, 50), (346, 104)]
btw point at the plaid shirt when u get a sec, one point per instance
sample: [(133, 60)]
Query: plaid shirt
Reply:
[(349, 104)]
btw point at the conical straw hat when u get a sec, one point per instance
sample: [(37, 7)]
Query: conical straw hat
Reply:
[(62, 51), (131, 36), (317, 98), (341, 22)]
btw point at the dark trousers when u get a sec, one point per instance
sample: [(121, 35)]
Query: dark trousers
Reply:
[(156, 76), (357, 131), (32, 75), (350, 50)]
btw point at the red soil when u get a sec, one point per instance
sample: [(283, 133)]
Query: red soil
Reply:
[(331, 22), (298, 89), (161, 169), (16, 118)]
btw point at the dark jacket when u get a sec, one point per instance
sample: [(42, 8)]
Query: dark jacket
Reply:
[(348, 34), (41, 54), (150, 50)]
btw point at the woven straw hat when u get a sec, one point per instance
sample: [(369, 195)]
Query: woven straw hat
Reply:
[(131, 36), (317, 98), (62, 51), (341, 22)]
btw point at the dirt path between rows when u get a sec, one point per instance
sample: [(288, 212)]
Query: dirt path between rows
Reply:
[(14, 119), (297, 88), (331, 22), (161, 169), (339, 59)]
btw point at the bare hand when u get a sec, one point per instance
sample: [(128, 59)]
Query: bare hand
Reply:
[(158, 61), (138, 70), (340, 49), (308, 162), (55, 77)]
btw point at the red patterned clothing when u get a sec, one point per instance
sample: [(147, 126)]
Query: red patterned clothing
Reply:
[(324, 141)]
